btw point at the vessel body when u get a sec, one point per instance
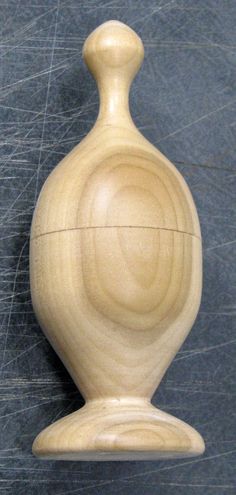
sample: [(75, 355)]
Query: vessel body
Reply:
[(115, 264)]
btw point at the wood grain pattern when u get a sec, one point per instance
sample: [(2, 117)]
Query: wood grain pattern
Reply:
[(116, 273)]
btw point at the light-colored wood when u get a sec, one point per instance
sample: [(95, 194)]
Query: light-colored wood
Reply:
[(116, 273)]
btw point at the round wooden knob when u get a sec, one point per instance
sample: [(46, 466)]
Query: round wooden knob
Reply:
[(113, 49), (115, 265)]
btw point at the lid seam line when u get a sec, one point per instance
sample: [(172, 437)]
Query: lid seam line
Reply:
[(115, 227)]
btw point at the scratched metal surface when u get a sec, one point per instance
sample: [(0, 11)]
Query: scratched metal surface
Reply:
[(184, 101)]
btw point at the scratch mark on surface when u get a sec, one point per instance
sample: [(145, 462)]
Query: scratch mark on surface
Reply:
[(203, 117), (47, 97)]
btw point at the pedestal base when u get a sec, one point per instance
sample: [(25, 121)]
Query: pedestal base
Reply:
[(126, 429)]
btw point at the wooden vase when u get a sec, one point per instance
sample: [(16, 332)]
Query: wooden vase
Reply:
[(116, 274)]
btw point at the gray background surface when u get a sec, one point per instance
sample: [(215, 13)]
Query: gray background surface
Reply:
[(184, 101)]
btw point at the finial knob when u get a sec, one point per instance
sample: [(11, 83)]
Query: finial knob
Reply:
[(113, 48)]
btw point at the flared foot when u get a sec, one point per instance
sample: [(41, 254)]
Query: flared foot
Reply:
[(126, 429)]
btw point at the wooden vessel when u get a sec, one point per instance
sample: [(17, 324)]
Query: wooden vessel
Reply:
[(116, 273)]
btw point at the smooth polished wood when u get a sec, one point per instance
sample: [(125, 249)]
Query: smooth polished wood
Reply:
[(116, 274)]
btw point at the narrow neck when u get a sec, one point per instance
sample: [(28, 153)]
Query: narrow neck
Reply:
[(114, 102)]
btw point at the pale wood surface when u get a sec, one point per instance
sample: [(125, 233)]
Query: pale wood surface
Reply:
[(116, 273)]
